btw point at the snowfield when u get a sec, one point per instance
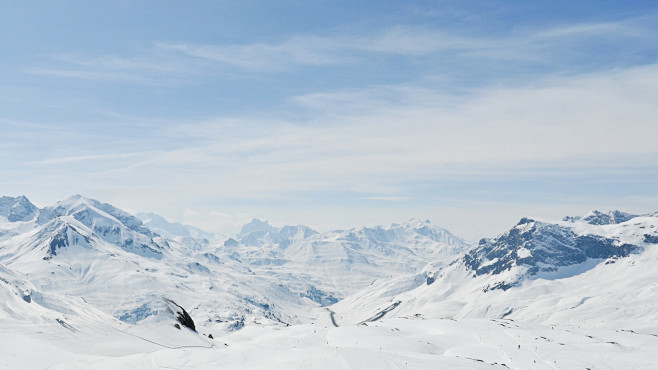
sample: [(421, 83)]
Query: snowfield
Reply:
[(390, 344), (86, 285)]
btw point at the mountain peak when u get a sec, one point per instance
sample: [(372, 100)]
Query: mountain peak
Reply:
[(74, 200), (596, 217), (541, 247), (608, 218), (415, 223), (255, 225), (64, 232), (155, 221), (17, 208)]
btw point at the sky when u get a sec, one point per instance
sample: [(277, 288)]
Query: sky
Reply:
[(333, 114)]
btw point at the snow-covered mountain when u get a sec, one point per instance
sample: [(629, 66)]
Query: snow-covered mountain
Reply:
[(17, 209), (111, 283), (331, 265), (571, 271), (174, 230), (81, 247), (17, 215), (603, 218), (539, 248), (86, 248), (107, 222)]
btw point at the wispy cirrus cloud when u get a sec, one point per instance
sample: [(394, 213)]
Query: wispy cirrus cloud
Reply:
[(600, 123), (183, 60), (384, 144), (85, 158)]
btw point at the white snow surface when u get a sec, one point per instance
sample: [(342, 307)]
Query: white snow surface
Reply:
[(83, 285), (612, 293)]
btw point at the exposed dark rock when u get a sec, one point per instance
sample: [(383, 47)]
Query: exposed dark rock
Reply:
[(59, 241), (237, 324), (66, 325), (430, 280), (181, 315), (540, 247), (610, 218), (652, 239), (137, 314), (319, 296)]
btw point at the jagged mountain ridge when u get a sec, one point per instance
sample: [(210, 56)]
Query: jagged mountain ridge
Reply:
[(283, 275), (541, 247), (566, 271), (82, 247), (108, 222), (85, 248), (17, 208), (339, 263), (174, 230)]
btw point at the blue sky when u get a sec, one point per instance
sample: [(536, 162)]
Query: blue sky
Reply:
[(333, 113)]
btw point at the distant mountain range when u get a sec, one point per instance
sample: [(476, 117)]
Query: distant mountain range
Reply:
[(82, 261), (124, 266)]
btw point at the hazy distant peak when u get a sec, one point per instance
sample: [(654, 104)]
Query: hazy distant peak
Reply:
[(596, 217), (256, 225), (415, 223), (17, 208)]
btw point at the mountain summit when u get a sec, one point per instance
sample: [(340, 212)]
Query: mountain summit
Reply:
[(17, 208)]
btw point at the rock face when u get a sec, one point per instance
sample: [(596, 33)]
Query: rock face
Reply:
[(17, 209), (540, 247), (181, 315), (64, 236), (319, 296)]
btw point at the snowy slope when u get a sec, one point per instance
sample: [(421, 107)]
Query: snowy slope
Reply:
[(568, 272), (83, 248), (40, 329), (174, 230), (328, 266), (86, 285), (393, 344), (17, 215)]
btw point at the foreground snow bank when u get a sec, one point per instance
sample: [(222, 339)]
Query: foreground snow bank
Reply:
[(389, 344)]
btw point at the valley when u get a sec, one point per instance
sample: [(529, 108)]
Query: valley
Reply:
[(87, 285)]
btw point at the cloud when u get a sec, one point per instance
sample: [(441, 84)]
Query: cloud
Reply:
[(388, 199), (386, 144), (176, 62), (190, 212), (592, 123), (295, 51), (407, 41), (336, 145), (85, 158), (221, 214), (375, 140)]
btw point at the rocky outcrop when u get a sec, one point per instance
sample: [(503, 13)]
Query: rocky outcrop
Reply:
[(181, 315), (540, 247)]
